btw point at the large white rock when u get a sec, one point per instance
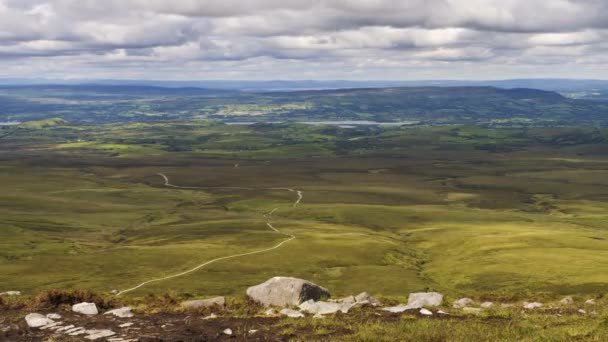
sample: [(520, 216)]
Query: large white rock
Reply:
[(462, 302), (35, 320), (85, 308), (124, 312), (291, 313), (421, 299), (286, 291), (567, 300), (426, 312), (204, 303)]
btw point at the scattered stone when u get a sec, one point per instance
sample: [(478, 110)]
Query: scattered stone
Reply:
[(79, 332), (366, 298), (270, 312), (67, 327), (124, 312), (291, 313), (399, 308), (228, 332), (286, 291), (471, 310), (85, 308), (443, 313), (204, 303), (126, 325), (421, 299), (97, 334), (567, 300), (533, 305), (581, 311), (590, 302), (35, 320), (323, 308), (252, 331), (69, 331), (11, 293), (50, 326), (212, 316), (462, 302), (53, 316), (426, 312), (486, 305), (114, 292)]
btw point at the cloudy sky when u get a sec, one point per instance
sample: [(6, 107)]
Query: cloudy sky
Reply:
[(304, 39)]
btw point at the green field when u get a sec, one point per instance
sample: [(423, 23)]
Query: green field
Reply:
[(457, 209)]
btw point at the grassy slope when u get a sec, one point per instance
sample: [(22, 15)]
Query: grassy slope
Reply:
[(403, 210)]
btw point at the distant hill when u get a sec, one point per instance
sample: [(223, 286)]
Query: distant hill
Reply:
[(94, 103)]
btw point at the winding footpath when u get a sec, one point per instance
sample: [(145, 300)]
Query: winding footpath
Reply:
[(268, 223)]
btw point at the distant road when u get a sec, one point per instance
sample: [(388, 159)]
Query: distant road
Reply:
[(268, 223)]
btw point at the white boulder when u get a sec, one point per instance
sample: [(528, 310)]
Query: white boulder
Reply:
[(487, 305), (35, 320), (11, 293), (85, 308), (532, 305), (421, 299), (285, 291), (567, 300), (227, 332)]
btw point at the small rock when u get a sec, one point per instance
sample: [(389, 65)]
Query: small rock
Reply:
[(85, 308), (11, 293), (581, 311), (486, 305), (462, 302), (426, 312), (590, 302), (399, 308), (291, 313), (366, 298), (66, 328), (212, 316), (227, 332), (126, 325), (421, 299), (533, 305), (285, 291), (252, 331), (35, 320), (124, 312), (204, 303), (51, 326), (270, 312), (471, 310), (441, 312), (97, 334), (324, 308), (114, 292), (567, 300), (53, 316)]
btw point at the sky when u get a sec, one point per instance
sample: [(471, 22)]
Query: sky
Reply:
[(304, 40)]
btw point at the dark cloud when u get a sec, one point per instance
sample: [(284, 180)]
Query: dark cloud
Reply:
[(303, 38)]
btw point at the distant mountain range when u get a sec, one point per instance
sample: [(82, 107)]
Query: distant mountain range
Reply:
[(560, 85)]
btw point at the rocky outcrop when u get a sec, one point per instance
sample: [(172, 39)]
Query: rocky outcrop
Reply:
[(286, 291), (204, 303), (85, 308), (325, 308)]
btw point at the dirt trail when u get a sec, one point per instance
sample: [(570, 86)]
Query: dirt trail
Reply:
[(268, 223)]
